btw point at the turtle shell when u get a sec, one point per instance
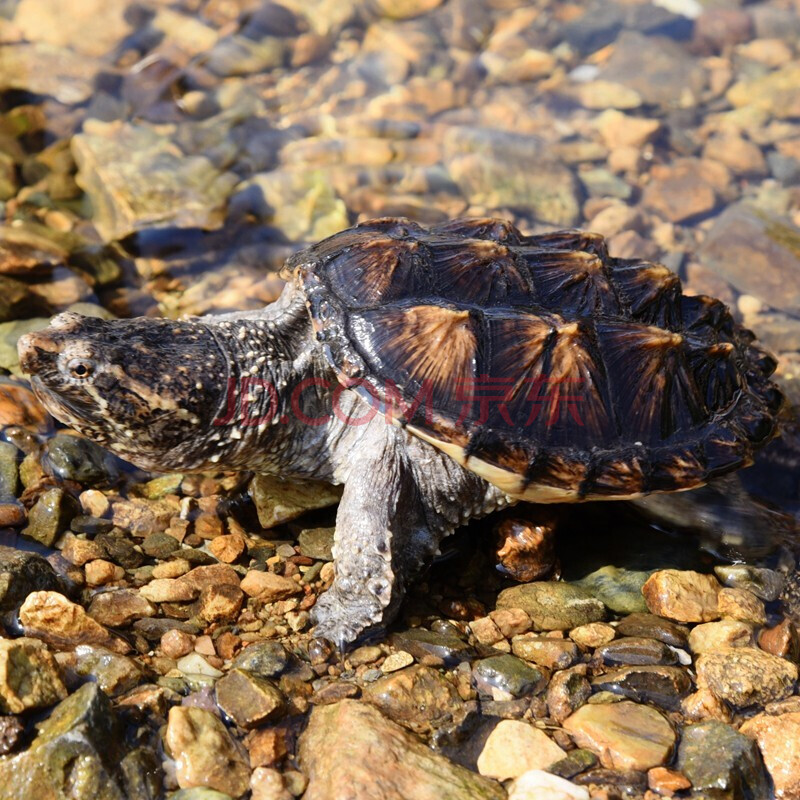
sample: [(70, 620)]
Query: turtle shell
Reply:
[(538, 362)]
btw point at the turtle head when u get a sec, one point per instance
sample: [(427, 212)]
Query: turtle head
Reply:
[(148, 389)]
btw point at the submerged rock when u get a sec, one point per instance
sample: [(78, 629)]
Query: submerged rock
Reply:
[(21, 573), (29, 676), (553, 605)]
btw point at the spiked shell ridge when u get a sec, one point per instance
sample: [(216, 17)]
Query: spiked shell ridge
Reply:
[(540, 363)]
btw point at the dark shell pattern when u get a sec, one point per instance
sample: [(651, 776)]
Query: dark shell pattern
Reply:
[(539, 362)]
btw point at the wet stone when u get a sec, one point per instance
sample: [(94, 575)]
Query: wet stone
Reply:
[(77, 459), (619, 589), (661, 686), (684, 596), (119, 608), (113, 673), (637, 651), (508, 674), (21, 573), (544, 651), (715, 758), (515, 747), (653, 627), (525, 548), (575, 762), (378, 758), (540, 785), (567, 692), (741, 604), (418, 698), (29, 676), (50, 516), (744, 676), (90, 526), (777, 738), (552, 605), (623, 735), (160, 545), (595, 634), (249, 700), (11, 731), (764, 583), (264, 659), (781, 640), (442, 648), (9, 472), (713, 636), (76, 753)]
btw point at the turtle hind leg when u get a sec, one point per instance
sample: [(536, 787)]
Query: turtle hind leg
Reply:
[(382, 542)]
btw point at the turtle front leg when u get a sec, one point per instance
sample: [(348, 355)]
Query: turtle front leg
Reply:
[(382, 542)]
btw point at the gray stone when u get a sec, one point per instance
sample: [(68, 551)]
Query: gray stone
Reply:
[(635, 651), (618, 588), (553, 605), (50, 516), (664, 687), (9, 472), (509, 674), (653, 627), (316, 543), (422, 643), (74, 458), (764, 583), (115, 674), (717, 759), (265, 659), (21, 573)]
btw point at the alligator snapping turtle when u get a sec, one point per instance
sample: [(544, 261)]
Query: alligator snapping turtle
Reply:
[(511, 367)]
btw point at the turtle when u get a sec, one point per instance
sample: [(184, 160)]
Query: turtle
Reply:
[(439, 373)]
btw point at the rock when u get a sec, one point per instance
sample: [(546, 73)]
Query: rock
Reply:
[(544, 651), (539, 785), (418, 698), (595, 634), (741, 604), (717, 759), (101, 572), (601, 94), (666, 782), (661, 686), (304, 206), (435, 647), (160, 545), (136, 179), (654, 627), (624, 735), (624, 130), (396, 661), (220, 603), (567, 692), (176, 644), (268, 784), (265, 659), (777, 738), (204, 752), (21, 573), (249, 700), (685, 596), (619, 589), (773, 92), (118, 608), (635, 650), (29, 676), (552, 605), (485, 631), (508, 674), (667, 77), (279, 501), (713, 636), (75, 755), (11, 731), (764, 583), (50, 516), (53, 618), (500, 169), (781, 640), (268, 586), (199, 793), (740, 156), (194, 664), (167, 590), (575, 762), (9, 471), (744, 676), (115, 674), (227, 548), (680, 191), (525, 548), (316, 543), (73, 458), (378, 760), (515, 747)]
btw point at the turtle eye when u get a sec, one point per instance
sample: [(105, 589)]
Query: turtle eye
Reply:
[(81, 368)]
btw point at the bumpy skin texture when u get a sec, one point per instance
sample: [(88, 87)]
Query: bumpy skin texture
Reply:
[(370, 318)]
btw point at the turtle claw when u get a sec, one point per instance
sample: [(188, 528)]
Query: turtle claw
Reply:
[(341, 621)]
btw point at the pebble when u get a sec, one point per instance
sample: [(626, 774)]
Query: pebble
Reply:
[(651, 626), (661, 686), (220, 603), (544, 651), (101, 572), (29, 676), (515, 747), (249, 700), (525, 548), (667, 782), (619, 589), (744, 676), (442, 648), (396, 661), (741, 604), (22, 573), (595, 634), (268, 586), (167, 590), (268, 784), (777, 738), (204, 752), (553, 606), (508, 674), (113, 673), (540, 785), (624, 735), (316, 543), (763, 583), (176, 643), (50, 516), (683, 596), (279, 501), (635, 650), (265, 659), (715, 758), (118, 608), (713, 636), (680, 192), (58, 621), (567, 692), (77, 459), (781, 640), (575, 762), (376, 754), (418, 698), (195, 664)]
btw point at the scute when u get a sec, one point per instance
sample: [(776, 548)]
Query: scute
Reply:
[(540, 363)]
